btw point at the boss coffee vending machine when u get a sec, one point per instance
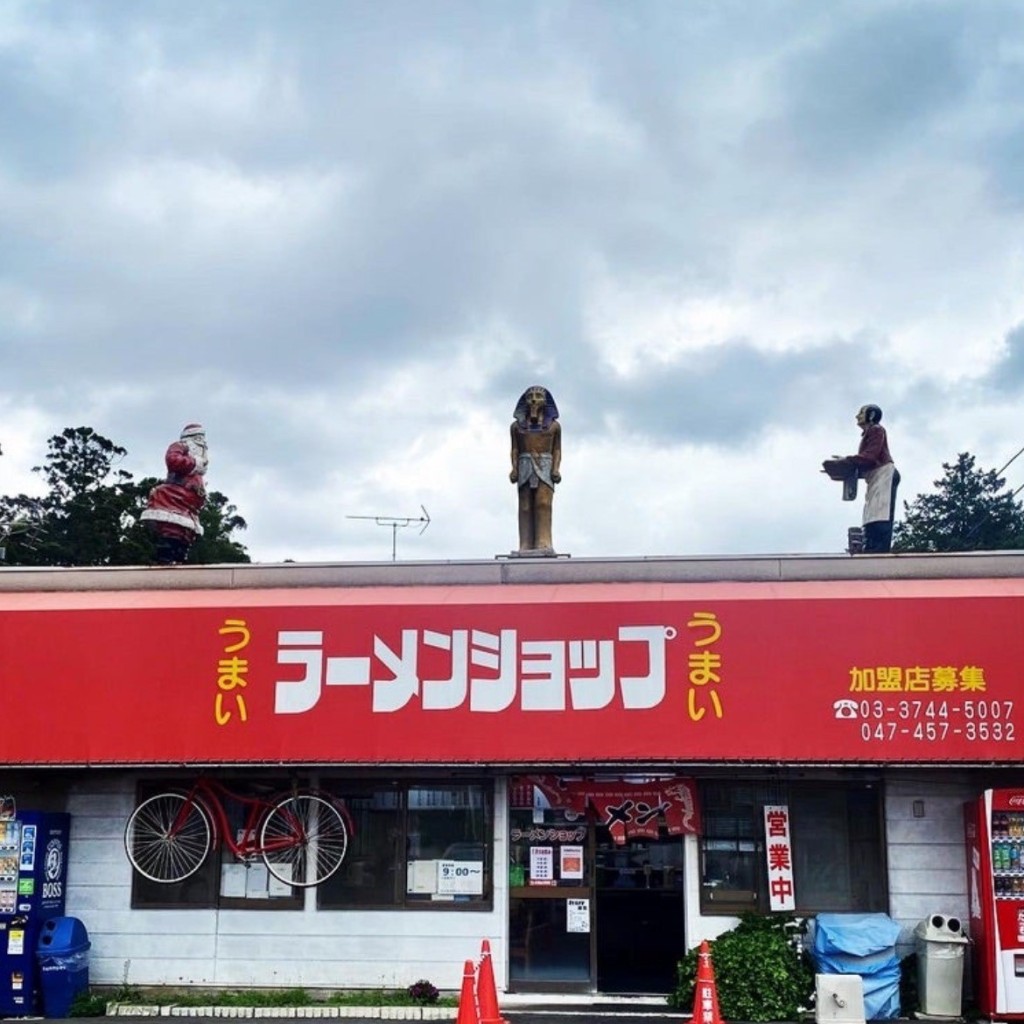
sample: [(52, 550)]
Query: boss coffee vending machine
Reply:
[(33, 881)]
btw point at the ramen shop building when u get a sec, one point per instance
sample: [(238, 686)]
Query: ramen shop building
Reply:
[(593, 763)]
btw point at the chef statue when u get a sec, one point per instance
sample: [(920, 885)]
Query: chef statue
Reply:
[(873, 464), (172, 511)]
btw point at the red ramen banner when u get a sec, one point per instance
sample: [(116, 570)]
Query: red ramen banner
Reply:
[(645, 674), (629, 810)]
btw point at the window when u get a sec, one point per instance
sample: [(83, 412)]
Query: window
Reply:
[(732, 845), (222, 880), (414, 845), (837, 850), (836, 835), (561, 840)]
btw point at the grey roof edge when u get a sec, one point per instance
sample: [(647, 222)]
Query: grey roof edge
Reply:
[(521, 570)]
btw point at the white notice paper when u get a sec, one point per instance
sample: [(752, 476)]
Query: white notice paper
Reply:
[(460, 877), (232, 880), (577, 915)]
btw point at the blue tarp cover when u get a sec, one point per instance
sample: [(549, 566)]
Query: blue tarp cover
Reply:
[(863, 944), (859, 934)]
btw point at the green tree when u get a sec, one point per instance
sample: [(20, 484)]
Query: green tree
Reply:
[(970, 510), (218, 518), (90, 513)]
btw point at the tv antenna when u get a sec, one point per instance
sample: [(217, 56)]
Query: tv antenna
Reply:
[(27, 522), (397, 523)]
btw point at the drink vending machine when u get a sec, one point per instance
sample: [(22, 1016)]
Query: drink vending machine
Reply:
[(33, 881), (995, 875)]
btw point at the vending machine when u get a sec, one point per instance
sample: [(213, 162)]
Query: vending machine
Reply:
[(33, 881), (995, 876)]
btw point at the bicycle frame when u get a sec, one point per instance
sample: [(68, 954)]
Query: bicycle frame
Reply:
[(210, 794), (302, 835)]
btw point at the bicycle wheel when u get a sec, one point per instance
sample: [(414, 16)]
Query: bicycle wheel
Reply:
[(168, 837), (303, 839)]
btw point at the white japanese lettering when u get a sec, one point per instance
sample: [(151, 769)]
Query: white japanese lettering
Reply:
[(490, 651), (535, 671), (293, 696), (593, 691), (645, 691), (404, 684), (443, 694)]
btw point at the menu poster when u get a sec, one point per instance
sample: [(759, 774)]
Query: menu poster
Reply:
[(572, 862), (542, 865)]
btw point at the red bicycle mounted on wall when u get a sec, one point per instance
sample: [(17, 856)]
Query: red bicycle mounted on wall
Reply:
[(301, 836)]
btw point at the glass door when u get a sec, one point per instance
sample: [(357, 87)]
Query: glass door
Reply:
[(639, 904), (551, 925)]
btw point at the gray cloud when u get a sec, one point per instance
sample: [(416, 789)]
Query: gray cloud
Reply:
[(280, 219), (1007, 375), (881, 80)]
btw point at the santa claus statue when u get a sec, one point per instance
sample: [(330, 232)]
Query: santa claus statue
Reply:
[(172, 511)]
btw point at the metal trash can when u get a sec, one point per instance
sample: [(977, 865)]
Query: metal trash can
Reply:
[(63, 955), (940, 965)]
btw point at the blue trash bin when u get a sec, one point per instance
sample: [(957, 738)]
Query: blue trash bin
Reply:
[(63, 955)]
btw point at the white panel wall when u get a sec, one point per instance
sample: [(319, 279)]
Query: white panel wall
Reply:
[(371, 949), (927, 867), (308, 948), (926, 864)]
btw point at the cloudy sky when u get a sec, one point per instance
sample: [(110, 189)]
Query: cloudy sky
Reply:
[(346, 236)]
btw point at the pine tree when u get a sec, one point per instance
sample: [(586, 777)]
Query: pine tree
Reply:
[(969, 511)]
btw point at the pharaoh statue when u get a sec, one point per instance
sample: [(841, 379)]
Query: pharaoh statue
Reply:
[(172, 511), (536, 460)]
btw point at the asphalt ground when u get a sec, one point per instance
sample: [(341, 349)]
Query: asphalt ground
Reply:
[(581, 1015)]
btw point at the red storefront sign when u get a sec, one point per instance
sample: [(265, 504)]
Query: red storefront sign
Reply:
[(912, 671)]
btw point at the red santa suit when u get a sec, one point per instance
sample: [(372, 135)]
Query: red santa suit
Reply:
[(172, 511)]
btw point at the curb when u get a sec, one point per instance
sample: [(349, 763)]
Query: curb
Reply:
[(285, 1012)]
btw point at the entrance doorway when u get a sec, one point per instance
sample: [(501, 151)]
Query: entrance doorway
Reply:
[(587, 914), (639, 913)]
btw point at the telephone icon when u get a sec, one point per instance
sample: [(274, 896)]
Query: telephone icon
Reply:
[(845, 708)]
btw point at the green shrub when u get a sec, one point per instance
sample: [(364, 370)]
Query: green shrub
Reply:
[(274, 997), (759, 974), (288, 997), (87, 1005)]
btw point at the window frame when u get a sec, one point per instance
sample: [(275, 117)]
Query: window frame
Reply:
[(750, 832), (347, 790), (210, 873)]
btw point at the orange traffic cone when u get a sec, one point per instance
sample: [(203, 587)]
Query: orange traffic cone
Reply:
[(467, 997), (487, 993), (705, 994)]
